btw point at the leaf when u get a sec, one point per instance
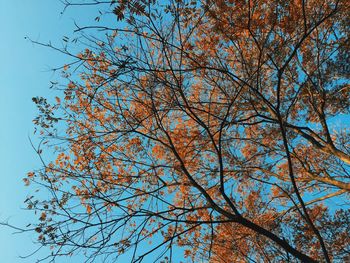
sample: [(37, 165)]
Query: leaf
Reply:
[(119, 12), (42, 216), (88, 209)]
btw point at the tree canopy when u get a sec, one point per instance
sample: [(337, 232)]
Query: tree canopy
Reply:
[(215, 129)]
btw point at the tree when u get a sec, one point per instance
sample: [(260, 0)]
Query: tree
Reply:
[(207, 127)]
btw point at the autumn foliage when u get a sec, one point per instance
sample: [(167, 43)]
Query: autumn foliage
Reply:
[(212, 129)]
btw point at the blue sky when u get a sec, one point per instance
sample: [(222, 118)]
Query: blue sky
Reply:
[(24, 73)]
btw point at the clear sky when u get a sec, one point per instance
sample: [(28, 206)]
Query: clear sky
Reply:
[(24, 73)]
